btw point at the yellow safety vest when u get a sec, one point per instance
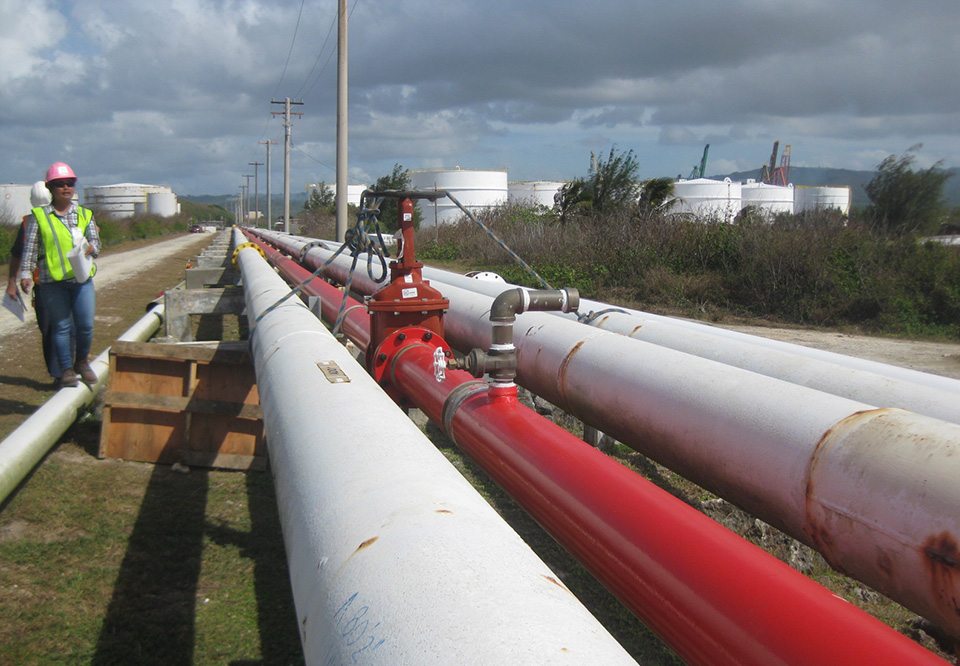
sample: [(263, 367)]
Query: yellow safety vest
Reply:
[(58, 241)]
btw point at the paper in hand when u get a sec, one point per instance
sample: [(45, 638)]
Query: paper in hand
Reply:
[(15, 305)]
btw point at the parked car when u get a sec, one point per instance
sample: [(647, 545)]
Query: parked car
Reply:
[(195, 228)]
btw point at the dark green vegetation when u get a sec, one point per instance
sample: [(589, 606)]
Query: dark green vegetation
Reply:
[(870, 271)]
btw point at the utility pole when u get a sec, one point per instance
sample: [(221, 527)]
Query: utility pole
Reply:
[(342, 121), (240, 214), (246, 192), (286, 154), (256, 192), (268, 143)]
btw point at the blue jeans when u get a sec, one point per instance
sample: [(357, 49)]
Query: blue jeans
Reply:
[(69, 308)]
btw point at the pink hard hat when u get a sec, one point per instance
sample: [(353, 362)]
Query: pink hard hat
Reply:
[(59, 170)]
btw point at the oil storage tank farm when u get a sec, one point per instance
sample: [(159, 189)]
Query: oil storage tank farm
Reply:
[(476, 189), (767, 199), (120, 200), (707, 199)]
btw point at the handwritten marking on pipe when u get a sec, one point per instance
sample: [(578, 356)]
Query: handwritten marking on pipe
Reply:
[(354, 629), (444, 511)]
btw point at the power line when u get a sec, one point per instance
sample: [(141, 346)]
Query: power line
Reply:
[(311, 157), (290, 51), (316, 79), (323, 47)]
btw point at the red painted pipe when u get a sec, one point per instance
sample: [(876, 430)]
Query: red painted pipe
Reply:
[(356, 323), (714, 597)]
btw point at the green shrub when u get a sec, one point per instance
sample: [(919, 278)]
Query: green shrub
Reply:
[(815, 268)]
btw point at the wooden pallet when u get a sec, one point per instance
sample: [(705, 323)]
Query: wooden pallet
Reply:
[(192, 403)]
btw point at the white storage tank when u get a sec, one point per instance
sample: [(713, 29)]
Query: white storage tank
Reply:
[(14, 203), (353, 191), (821, 197), (534, 192), (162, 204), (769, 200), (717, 200), (119, 200), (476, 189)]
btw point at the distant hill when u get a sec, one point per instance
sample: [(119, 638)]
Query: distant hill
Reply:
[(856, 180), (227, 201)]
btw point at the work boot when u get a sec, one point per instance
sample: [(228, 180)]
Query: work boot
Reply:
[(86, 372), (69, 378)]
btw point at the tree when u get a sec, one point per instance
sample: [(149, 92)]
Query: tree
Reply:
[(398, 179), (610, 183), (321, 198), (905, 201), (654, 193)]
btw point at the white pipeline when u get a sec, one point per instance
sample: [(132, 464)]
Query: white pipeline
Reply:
[(394, 558), (26, 446)]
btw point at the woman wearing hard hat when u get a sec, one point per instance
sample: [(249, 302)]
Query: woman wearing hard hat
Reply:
[(61, 238)]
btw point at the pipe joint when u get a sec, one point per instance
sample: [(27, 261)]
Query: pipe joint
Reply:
[(500, 361)]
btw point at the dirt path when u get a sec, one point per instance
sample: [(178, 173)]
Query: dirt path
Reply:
[(940, 358), (113, 268)]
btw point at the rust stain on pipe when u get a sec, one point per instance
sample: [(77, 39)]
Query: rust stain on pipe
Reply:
[(365, 544), (562, 370), (820, 536), (941, 558)]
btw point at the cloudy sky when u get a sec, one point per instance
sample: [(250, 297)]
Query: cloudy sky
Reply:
[(179, 93)]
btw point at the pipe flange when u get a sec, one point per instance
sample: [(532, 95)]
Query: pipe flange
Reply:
[(244, 246)]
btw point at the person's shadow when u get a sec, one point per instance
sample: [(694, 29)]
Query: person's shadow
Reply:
[(27, 383)]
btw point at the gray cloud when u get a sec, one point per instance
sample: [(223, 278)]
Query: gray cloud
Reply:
[(179, 92)]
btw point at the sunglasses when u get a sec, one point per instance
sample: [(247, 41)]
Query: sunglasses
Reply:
[(67, 182)]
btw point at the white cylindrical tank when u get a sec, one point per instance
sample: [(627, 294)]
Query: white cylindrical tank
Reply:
[(534, 192), (14, 203), (162, 204), (353, 191), (767, 199), (477, 190), (821, 197), (717, 200), (119, 200)]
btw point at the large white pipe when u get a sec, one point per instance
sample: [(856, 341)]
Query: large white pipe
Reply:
[(394, 558), (731, 347), (25, 447)]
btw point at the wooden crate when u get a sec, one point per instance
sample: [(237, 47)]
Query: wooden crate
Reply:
[(194, 403)]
